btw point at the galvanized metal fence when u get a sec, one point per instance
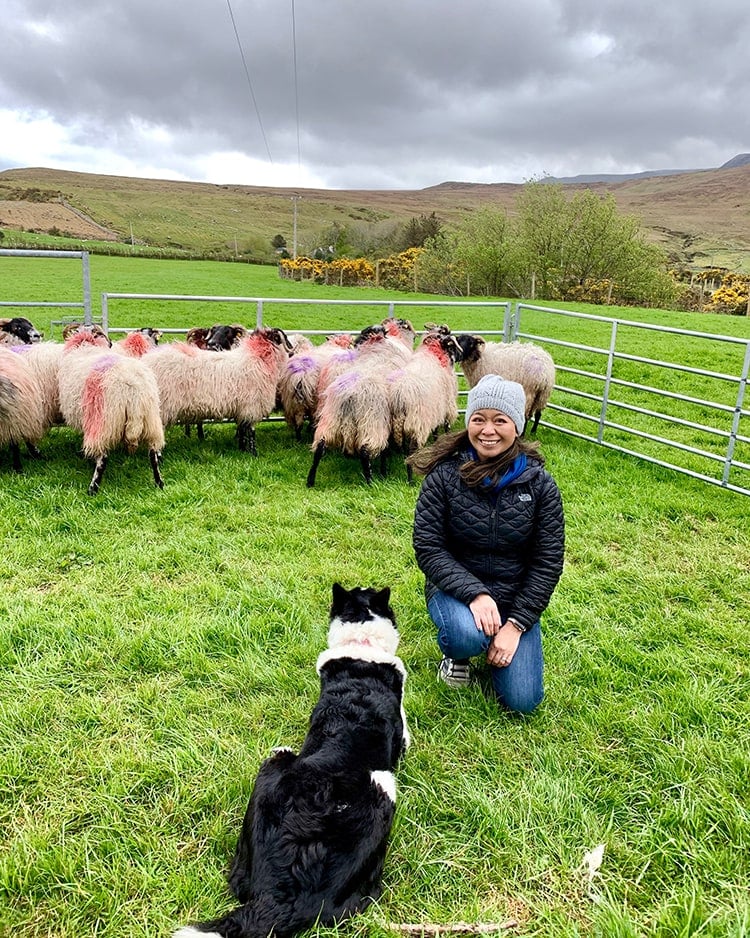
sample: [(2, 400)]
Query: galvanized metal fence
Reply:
[(673, 397), (84, 306), (390, 306)]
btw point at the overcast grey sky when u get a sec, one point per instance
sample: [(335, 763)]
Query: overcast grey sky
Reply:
[(388, 93)]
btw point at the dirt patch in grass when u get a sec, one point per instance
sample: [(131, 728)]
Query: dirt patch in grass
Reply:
[(52, 218)]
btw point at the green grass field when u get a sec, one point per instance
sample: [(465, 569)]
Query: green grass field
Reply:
[(155, 645)]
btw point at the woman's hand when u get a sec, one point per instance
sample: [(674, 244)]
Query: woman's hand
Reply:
[(503, 646), (486, 614)]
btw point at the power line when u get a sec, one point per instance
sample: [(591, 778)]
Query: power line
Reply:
[(249, 82), (296, 88)]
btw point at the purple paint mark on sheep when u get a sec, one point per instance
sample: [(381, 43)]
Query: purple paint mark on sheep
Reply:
[(300, 364), (105, 362), (346, 382)]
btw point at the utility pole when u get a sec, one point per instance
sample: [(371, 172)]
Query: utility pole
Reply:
[(295, 198)]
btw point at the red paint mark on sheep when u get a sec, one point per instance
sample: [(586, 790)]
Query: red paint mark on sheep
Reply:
[(92, 398), (136, 344), (257, 344)]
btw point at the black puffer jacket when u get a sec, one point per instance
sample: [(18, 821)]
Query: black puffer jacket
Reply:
[(508, 543)]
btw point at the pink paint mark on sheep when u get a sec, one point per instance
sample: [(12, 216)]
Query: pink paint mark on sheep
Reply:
[(92, 401)]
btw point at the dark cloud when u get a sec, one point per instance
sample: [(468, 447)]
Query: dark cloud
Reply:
[(380, 95)]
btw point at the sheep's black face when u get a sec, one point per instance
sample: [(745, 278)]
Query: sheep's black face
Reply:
[(449, 345), (21, 329), (370, 333), (221, 338), (471, 347), (280, 338), (150, 333)]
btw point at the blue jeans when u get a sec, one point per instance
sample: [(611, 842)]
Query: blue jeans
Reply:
[(520, 686)]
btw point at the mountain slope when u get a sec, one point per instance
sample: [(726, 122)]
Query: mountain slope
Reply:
[(702, 218)]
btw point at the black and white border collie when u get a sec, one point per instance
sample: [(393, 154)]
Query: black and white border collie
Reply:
[(314, 837)]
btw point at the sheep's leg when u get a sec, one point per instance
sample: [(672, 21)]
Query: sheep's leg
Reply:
[(155, 458), (101, 464), (409, 471), (187, 429), (15, 454), (199, 428), (33, 451), (246, 438), (364, 459), (250, 444), (384, 463), (535, 422), (317, 456)]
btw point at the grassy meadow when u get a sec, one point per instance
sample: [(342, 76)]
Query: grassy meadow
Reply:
[(155, 645)]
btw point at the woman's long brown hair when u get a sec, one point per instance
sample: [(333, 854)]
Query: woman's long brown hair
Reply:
[(473, 472)]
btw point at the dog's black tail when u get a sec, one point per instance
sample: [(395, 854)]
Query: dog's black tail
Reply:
[(250, 921)]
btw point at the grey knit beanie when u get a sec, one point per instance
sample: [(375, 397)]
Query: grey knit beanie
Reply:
[(495, 393)]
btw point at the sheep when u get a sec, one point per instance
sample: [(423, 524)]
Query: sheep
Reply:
[(239, 384), (382, 349), (72, 328), (44, 360), (298, 384), (217, 338), (21, 416), (524, 362), (112, 398), (138, 342), (400, 329), (300, 343), (353, 417), (135, 344), (18, 331), (423, 393), (197, 337)]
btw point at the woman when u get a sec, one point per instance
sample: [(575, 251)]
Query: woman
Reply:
[(489, 537)]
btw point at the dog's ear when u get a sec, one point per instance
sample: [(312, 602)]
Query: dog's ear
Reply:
[(338, 592), (385, 595)]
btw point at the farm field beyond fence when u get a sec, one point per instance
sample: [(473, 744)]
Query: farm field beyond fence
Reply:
[(155, 645)]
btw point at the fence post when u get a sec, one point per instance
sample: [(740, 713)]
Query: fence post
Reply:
[(510, 321), (607, 380), (87, 317)]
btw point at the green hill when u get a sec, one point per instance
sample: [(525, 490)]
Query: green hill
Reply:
[(701, 218)]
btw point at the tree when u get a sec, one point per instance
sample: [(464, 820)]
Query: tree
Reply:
[(488, 251), (583, 248), (278, 241), (417, 231)]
